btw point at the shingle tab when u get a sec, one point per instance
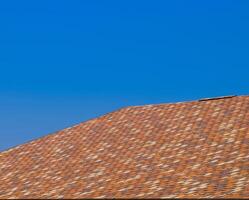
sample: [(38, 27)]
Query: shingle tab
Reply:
[(192, 149)]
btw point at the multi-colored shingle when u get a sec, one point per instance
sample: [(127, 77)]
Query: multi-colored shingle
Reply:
[(196, 149)]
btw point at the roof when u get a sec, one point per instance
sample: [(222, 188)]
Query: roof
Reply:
[(190, 149)]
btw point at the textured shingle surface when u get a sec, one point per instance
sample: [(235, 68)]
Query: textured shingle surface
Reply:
[(192, 149)]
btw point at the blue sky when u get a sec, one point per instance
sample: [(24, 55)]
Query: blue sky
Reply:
[(63, 62)]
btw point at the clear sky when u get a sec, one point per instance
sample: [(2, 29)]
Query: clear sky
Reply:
[(63, 62)]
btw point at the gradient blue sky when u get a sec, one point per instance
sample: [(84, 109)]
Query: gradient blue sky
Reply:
[(63, 62)]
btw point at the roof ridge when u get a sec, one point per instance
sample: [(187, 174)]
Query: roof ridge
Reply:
[(216, 98), (190, 101)]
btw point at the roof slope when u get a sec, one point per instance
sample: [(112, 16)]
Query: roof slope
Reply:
[(192, 149)]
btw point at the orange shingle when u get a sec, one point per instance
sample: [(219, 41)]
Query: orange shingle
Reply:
[(196, 149)]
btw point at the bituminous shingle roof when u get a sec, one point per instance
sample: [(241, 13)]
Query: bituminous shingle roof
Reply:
[(192, 149)]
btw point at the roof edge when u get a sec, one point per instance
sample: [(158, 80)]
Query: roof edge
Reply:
[(61, 129), (117, 110)]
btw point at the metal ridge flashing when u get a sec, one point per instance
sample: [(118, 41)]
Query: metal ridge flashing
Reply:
[(216, 98)]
